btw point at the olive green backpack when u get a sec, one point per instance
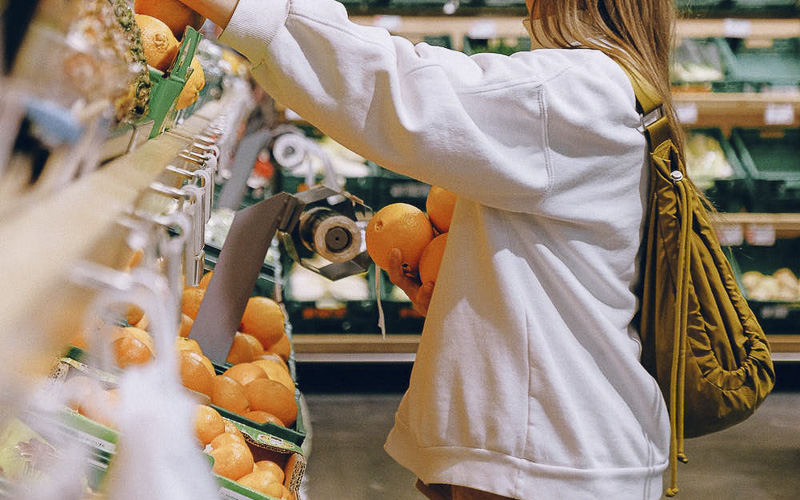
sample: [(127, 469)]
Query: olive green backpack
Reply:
[(700, 340)]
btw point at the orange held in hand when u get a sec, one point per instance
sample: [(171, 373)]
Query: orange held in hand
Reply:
[(160, 45), (398, 225), (431, 259), (439, 205), (173, 13)]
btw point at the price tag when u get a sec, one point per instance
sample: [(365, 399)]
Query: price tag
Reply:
[(779, 114), (485, 28), (760, 235), (687, 113), (390, 23), (730, 235), (737, 28)]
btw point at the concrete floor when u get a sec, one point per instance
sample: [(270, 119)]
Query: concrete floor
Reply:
[(756, 460)]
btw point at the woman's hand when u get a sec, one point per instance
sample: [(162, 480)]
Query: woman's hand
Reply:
[(219, 11), (419, 293)]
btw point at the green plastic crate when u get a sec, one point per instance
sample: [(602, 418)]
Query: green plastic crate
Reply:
[(265, 283), (392, 187), (756, 5), (772, 162), (445, 41), (472, 45), (730, 193), (758, 69), (700, 4)]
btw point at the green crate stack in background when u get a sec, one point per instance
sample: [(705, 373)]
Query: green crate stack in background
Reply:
[(756, 68), (772, 162)]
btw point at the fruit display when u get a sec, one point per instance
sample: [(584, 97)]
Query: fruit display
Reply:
[(782, 285), (705, 159)]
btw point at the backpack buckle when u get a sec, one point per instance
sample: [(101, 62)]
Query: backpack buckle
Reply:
[(651, 118)]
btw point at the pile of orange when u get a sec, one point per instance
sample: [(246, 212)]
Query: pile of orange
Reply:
[(258, 385), (233, 458), (421, 236)]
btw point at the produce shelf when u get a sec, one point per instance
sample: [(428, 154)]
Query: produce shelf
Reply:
[(373, 348)]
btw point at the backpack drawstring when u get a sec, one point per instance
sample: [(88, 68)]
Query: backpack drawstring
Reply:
[(678, 371)]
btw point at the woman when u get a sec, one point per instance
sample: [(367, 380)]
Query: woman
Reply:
[(527, 382)]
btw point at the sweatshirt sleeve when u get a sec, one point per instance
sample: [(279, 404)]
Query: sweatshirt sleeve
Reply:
[(472, 124)]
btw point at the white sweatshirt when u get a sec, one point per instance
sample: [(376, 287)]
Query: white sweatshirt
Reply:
[(527, 381)]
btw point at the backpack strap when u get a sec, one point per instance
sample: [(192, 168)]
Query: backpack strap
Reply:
[(655, 126), (655, 122)]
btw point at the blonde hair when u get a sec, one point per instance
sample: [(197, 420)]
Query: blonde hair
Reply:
[(637, 34)]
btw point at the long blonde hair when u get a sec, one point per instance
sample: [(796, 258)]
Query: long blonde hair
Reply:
[(637, 34)]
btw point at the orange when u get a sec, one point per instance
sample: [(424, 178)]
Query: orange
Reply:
[(79, 341), (431, 259), (286, 494), (229, 394), (440, 204), (273, 397), (173, 13), (134, 314), (263, 482), (230, 428), (195, 375), (271, 356), (143, 323), (245, 348), (132, 346), (233, 460), (398, 225), (282, 348), (263, 319), (194, 84), (272, 467), (160, 45), (135, 259), (186, 344), (244, 373), (208, 424), (226, 438), (190, 301), (186, 325), (276, 372), (102, 407), (262, 417), (205, 280)]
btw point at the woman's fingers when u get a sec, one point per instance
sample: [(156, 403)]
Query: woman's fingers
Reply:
[(420, 294), (399, 275), (423, 298)]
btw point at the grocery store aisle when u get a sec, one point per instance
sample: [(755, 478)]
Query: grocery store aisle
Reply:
[(756, 460)]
